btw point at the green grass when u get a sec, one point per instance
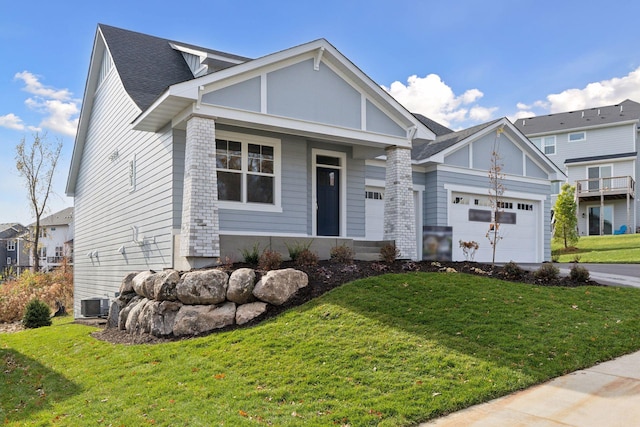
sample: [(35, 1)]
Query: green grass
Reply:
[(602, 249), (390, 350)]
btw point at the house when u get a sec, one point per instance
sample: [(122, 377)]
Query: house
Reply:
[(55, 245), (598, 149), (185, 155), (14, 257)]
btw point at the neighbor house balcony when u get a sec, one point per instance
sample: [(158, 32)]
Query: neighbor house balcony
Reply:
[(611, 188)]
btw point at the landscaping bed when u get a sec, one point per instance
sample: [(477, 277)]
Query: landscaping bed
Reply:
[(327, 275)]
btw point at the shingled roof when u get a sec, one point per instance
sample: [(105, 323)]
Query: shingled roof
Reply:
[(610, 114), (434, 126), (148, 65), (442, 142)]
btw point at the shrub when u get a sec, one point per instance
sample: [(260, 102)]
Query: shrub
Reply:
[(48, 287), (36, 314), (251, 256), (389, 253), (555, 258), (513, 270), (270, 260), (579, 274), (547, 272), (297, 248), (469, 249), (306, 258), (342, 254)]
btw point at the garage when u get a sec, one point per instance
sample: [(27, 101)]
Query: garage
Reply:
[(519, 227)]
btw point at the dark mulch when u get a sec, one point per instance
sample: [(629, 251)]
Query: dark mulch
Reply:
[(328, 275)]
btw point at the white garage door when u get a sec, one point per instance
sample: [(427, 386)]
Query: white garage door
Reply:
[(470, 217)]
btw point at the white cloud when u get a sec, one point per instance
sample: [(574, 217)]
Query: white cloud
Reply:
[(59, 108), (11, 121), (605, 92), (33, 86), (432, 97)]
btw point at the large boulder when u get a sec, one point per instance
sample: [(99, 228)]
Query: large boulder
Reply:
[(132, 324), (143, 284), (203, 287), (116, 305), (241, 284), (126, 287), (123, 315), (197, 319), (164, 285), (278, 286), (158, 317), (247, 312)]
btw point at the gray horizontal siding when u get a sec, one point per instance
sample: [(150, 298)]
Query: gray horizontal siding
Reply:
[(105, 209)]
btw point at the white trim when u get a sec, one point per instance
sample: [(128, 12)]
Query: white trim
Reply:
[(315, 152), (375, 183), (263, 93), (246, 139), (609, 161), (599, 166), (485, 191)]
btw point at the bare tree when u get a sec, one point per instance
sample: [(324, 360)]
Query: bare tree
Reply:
[(496, 191), (36, 163)]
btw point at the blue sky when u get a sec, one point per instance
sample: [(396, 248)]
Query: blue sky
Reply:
[(459, 62)]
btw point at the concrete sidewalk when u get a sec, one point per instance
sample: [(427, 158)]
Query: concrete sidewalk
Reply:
[(607, 394)]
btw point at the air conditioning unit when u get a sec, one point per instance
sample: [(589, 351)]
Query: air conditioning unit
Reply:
[(94, 307)]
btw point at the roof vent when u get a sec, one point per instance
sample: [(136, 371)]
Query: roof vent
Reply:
[(621, 108), (583, 114)]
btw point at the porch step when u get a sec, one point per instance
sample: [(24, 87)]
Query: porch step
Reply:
[(368, 250)]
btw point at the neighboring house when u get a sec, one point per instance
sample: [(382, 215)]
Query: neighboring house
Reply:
[(185, 155), (598, 149), (55, 245), (14, 257)]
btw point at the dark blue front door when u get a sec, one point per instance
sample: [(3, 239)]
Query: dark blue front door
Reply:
[(328, 193)]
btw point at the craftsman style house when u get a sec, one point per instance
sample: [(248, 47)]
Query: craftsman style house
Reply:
[(598, 149), (185, 155)]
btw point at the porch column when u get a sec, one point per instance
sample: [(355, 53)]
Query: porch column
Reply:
[(200, 232), (399, 209)]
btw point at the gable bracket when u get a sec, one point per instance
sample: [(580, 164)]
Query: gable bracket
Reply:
[(318, 57), (411, 132), (200, 93)]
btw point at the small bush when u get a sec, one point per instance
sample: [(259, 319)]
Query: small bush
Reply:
[(341, 254), (579, 274), (270, 260), (251, 256), (513, 270), (546, 273), (306, 258), (36, 314), (389, 253), (297, 248)]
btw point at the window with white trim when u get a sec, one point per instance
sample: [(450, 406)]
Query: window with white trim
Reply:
[(246, 168), (578, 136), (9, 260), (11, 245), (546, 144)]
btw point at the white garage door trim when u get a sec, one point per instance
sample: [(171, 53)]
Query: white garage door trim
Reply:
[(536, 199)]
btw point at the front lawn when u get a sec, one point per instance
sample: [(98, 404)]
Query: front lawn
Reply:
[(623, 248), (388, 350)]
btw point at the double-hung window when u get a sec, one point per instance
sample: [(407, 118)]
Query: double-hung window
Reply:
[(247, 169), (547, 144), (11, 245)]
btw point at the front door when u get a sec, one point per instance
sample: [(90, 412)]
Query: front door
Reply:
[(328, 196)]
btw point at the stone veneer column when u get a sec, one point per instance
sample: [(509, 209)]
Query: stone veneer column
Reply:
[(200, 233), (399, 209)]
